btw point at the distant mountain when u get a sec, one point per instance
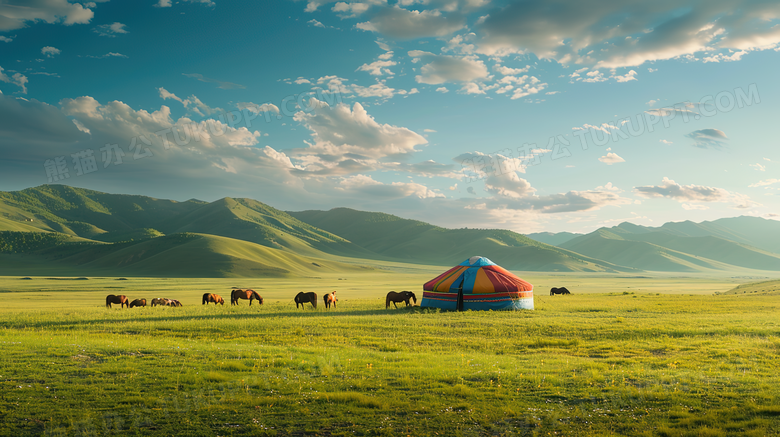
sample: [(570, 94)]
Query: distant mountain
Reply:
[(553, 239), (57, 229), (418, 242), (684, 246)]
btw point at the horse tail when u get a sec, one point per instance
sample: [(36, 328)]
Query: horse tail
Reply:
[(314, 301), (387, 301)]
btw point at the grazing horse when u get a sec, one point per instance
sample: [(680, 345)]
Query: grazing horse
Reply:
[(121, 300), (403, 296), (561, 290), (158, 301), (172, 303), (238, 293), (217, 299), (138, 303), (330, 299), (302, 298)]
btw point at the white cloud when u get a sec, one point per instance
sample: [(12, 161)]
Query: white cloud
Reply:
[(758, 167), (16, 15), (192, 103), (442, 68), (17, 79), (256, 109), (764, 183), (163, 4), (666, 142), (348, 140), (400, 23), (7, 38), (708, 138), (506, 71), (50, 52), (316, 23), (612, 35), (442, 89), (631, 75), (365, 185), (693, 193), (110, 30), (611, 158), (378, 68)]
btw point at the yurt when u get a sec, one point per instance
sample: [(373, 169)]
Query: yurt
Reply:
[(478, 284)]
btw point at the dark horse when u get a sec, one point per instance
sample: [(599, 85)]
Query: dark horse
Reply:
[(561, 290), (302, 298), (239, 293), (158, 301), (330, 299), (403, 296), (138, 303), (217, 299), (121, 300)]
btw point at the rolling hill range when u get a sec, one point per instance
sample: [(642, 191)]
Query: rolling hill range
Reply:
[(133, 227), (57, 229), (684, 246), (418, 242)]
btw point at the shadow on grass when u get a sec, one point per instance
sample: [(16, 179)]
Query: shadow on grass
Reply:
[(217, 317)]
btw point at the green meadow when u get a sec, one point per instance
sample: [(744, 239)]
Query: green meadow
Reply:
[(623, 355)]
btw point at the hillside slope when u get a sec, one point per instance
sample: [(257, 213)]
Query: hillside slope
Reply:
[(419, 242)]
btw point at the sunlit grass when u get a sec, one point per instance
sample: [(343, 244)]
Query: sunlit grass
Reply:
[(590, 363)]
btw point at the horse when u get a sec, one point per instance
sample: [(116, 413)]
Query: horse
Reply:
[(239, 293), (329, 299), (302, 298), (561, 290), (403, 296), (209, 297), (121, 300), (173, 303), (158, 301), (138, 303)]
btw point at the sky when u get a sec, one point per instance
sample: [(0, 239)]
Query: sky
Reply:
[(561, 115)]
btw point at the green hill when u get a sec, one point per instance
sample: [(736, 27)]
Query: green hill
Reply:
[(553, 239), (670, 249), (177, 255), (418, 242)]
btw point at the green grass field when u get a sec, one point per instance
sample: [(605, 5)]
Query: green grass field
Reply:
[(623, 355)]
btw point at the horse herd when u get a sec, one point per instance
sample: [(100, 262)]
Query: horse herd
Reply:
[(301, 299)]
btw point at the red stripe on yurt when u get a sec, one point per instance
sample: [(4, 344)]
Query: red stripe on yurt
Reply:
[(443, 282)]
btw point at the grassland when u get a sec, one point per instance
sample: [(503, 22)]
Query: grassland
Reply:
[(623, 355)]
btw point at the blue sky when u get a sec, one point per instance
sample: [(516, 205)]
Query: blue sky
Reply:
[(531, 116)]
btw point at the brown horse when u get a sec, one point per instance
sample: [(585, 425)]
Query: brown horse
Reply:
[(217, 299), (302, 298), (403, 296), (158, 301), (238, 293), (330, 299), (121, 300), (138, 303), (173, 303)]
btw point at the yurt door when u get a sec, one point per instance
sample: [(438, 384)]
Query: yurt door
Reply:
[(460, 295)]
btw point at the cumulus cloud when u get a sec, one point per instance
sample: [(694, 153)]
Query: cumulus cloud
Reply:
[(764, 183), (192, 103), (443, 68), (256, 109), (367, 186), (50, 52), (345, 140), (17, 79), (604, 34), (611, 158), (708, 138), (380, 67), (400, 23), (16, 14)]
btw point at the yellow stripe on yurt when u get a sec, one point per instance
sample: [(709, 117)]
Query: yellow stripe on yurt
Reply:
[(482, 283), (445, 284)]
